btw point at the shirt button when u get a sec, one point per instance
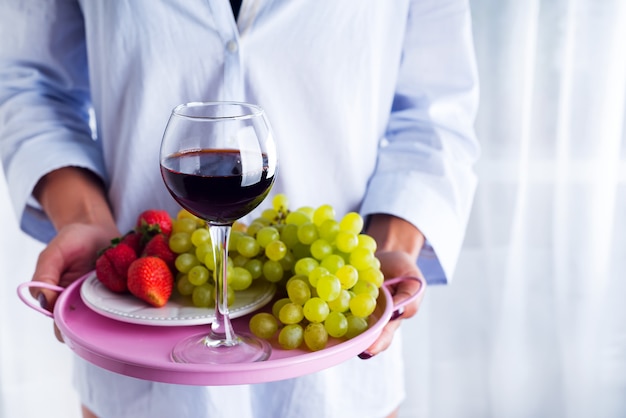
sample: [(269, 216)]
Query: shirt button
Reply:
[(232, 46)]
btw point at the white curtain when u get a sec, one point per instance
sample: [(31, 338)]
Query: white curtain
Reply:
[(534, 323)]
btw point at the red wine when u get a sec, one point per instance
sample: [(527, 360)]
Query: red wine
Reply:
[(215, 185)]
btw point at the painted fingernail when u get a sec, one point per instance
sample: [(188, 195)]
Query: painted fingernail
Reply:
[(396, 314), (365, 355), (43, 302)]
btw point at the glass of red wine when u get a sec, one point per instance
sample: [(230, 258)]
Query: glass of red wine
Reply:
[(218, 160)]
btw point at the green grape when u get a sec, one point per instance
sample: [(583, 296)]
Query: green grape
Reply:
[(291, 336), (290, 313), (209, 260), (185, 261), (239, 226), (323, 213), (273, 271), (298, 290), (276, 307), (328, 287), (321, 248), (255, 267), (305, 265), (336, 324), (289, 235), (307, 233), (248, 246), (203, 296), (356, 326), (362, 304), (264, 221), (183, 285), (270, 214), (347, 275), (180, 242), (346, 241), (361, 286), (276, 250), (367, 242), (296, 218), (295, 277), (266, 235), (280, 203), (203, 251), (263, 325), (240, 279), (315, 274), (341, 303), (198, 275), (301, 251), (307, 210), (352, 222), (200, 237), (315, 310), (186, 225), (234, 239), (328, 230), (254, 227), (183, 213), (230, 295), (362, 258), (345, 256), (288, 261), (315, 336), (376, 263), (238, 259), (372, 275), (333, 262)]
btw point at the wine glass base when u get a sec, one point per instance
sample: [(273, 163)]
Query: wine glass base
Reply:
[(202, 349)]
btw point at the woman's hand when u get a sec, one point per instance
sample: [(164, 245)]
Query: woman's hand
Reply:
[(70, 255), (75, 201), (397, 264), (399, 244)]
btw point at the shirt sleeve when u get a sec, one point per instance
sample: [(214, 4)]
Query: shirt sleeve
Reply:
[(44, 101), (424, 171)]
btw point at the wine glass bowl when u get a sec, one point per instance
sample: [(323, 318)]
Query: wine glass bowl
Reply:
[(218, 161)]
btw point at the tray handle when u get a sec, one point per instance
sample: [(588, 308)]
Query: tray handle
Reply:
[(399, 307), (29, 301)]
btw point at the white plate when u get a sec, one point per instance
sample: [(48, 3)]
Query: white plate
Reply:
[(177, 312)]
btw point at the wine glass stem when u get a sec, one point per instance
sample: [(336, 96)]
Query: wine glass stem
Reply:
[(221, 328)]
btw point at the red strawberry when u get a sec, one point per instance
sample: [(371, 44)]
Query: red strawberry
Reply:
[(150, 280), (154, 220), (112, 266), (135, 240), (158, 246)]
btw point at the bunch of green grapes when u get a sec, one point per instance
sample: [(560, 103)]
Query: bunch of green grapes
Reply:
[(191, 242), (325, 267)]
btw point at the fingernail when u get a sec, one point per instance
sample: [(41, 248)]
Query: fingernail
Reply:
[(396, 314), (365, 355), (43, 302)]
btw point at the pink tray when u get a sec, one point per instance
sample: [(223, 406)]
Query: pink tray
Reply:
[(143, 351)]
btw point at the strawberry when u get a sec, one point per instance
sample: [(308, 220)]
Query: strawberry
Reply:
[(154, 220), (158, 246), (135, 240), (112, 266), (150, 279)]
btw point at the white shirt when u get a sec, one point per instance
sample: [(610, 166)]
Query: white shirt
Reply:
[(372, 103)]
